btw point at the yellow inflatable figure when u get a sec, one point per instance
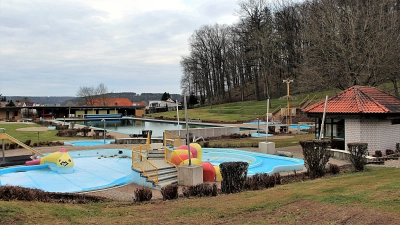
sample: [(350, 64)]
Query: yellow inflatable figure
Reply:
[(60, 161)]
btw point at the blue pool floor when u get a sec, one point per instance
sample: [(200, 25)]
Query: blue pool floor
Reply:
[(94, 170), (90, 173)]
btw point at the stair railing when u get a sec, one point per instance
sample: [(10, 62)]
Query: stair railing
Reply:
[(171, 141), (276, 109), (304, 100), (140, 162)]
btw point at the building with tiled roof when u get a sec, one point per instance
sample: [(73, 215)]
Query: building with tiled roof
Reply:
[(112, 102), (359, 114)]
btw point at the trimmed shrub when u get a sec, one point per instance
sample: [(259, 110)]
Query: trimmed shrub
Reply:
[(389, 152), (143, 194), (200, 190), (261, 181), (378, 153), (169, 192), (9, 193), (333, 168), (316, 156), (358, 153), (233, 176)]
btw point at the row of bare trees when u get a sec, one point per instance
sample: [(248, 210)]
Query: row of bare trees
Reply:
[(319, 43)]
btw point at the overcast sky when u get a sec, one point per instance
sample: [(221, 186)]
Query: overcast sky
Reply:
[(53, 47)]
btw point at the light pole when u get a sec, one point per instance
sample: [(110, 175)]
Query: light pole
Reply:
[(187, 130), (288, 81), (177, 116), (64, 120), (104, 130), (267, 130)]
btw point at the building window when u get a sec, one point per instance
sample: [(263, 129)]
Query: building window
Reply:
[(333, 129)]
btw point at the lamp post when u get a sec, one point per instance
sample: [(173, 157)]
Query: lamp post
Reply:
[(187, 131), (177, 116), (64, 120), (266, 128), (288, 81), (104, 130)]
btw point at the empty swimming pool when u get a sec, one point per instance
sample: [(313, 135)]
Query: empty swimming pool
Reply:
[(105, 168)]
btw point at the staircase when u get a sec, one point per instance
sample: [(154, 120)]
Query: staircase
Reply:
[(165, 173)]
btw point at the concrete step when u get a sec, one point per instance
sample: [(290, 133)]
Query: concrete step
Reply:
[(161, 172), (164, 183)]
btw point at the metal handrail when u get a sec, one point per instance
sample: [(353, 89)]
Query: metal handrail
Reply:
[(276, 110), (304, 100), (138, 156), (166, 156)]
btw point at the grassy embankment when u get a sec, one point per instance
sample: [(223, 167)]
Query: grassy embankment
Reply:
[(242, 111), (350, 197)]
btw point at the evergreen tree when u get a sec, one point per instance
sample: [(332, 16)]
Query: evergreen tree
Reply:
[(193, 99), (165, 96)]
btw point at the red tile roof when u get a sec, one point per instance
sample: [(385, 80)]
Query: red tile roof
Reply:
[(358, 99), (113, 102)]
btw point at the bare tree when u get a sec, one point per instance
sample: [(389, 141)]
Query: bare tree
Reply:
[(92, 96), (351, 42)]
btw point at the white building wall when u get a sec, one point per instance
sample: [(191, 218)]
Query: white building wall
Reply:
[(379, 134), (352, 131)]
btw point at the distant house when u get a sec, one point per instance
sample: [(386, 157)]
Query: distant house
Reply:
[(162, 106), (359, 114)]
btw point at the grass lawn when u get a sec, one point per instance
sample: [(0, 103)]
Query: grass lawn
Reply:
[(369, 197), (44, 136)]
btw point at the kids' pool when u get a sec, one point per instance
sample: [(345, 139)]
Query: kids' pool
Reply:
[(106, 168)]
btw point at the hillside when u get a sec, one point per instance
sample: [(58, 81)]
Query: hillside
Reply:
[(49, 100)]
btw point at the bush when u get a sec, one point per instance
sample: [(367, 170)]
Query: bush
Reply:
[(358, 153), (378, 153), (397, 147), (8, 193), (261, 181), (389, 152), (143, 194), (200, 190), (334, 169), (316, 156), (169, 192), (234, 176)]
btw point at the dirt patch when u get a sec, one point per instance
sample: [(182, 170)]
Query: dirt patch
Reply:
[(33, 129)]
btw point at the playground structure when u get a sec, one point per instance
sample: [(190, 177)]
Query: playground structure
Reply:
[(4, 136)]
